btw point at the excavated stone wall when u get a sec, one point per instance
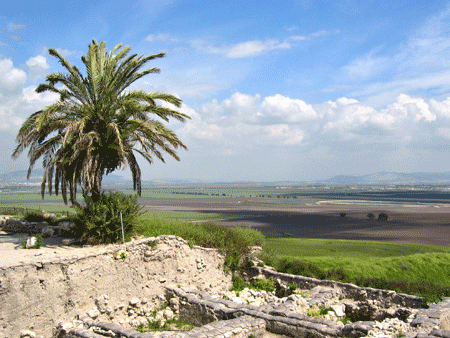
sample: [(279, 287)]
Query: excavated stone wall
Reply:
[(112, 289), (38, 295), (385, 297)]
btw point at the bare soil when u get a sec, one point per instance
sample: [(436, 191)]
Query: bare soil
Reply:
[(406, 224)]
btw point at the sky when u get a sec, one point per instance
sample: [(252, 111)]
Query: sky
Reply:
[(276, 90)]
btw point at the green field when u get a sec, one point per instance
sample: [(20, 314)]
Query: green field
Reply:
[(368, 259), (32, 195)]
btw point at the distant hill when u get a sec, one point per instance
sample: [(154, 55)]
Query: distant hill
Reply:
[(384, 177)]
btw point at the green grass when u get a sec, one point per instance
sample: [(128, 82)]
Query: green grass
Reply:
[(367, 260), (308, 247)]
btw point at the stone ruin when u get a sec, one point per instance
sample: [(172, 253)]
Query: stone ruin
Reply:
[(110, 291), (13, 225), (376, 313)]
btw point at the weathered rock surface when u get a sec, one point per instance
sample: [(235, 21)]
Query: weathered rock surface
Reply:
[(40, 293)]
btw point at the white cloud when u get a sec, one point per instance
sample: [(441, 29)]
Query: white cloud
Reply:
[(441, 108), (276, 109), (314, 35), (13, 26), (197, 128), (366, 67), (407, 106), (37, 66), (291, 110), (291, 28), (254, 48), (287, 135), (249, 120), (66, 52), (11, 79), (161, 37), (419, 65), (30, 95), (345, 115)]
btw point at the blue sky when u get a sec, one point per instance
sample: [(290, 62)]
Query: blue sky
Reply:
[(277, 90)]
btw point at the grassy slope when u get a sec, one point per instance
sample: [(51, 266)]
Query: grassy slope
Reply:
[(369, 259)]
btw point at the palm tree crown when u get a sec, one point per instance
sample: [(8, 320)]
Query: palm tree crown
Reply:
[(97, 125)]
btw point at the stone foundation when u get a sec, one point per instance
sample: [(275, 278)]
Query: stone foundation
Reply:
[(37, 295)]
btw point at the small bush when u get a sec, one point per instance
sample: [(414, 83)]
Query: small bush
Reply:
[(324, 311), (300, 268), (238, 283), (383, 216), (263, 284), (37, 216), (39, 241), (428, 291), (152, 244), (342, 214), (99, 221), (292, 286), (313, 311), (155, 325), (370, 215), (268, 258), (346, 320), (337, 275)]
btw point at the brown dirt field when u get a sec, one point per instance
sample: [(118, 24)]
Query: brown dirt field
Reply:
[(406, 224)]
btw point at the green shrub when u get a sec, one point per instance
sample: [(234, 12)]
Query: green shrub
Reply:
[(346, 320), (238, 283), (263, 284), (324, 310), (257, 284), (292, 286), (382, 216), (37, 216), (99, 221), (337, 275), (300, 268), (152, 244), (370, 215), (428, 291), (315, 311), (39, 241), (268, 257)]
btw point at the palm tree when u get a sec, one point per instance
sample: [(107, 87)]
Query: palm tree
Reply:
[(97, 125)]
